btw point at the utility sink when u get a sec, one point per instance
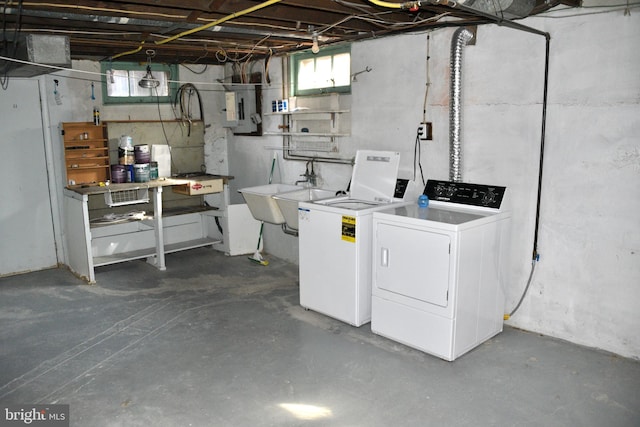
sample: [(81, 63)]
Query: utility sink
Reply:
[(288, 202), (262, 205)]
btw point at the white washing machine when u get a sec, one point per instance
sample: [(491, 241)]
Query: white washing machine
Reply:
[(335, 240), (438, 271)]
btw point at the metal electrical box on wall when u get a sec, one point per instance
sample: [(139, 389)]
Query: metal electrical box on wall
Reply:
[(241, 113)]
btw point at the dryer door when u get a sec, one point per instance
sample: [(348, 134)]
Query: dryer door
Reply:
[(412, 263)]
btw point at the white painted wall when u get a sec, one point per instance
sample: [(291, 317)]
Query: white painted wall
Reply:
[(26, 223), (585, 288)]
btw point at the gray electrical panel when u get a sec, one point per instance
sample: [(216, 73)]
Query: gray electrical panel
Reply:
[(241, 113)]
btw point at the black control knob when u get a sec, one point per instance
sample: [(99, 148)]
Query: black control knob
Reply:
[(488, 198), (451, 191)]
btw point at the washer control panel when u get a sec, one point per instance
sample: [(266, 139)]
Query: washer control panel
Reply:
[(489, 196)]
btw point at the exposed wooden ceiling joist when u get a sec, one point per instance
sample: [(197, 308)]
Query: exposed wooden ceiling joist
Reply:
[(103, 29)]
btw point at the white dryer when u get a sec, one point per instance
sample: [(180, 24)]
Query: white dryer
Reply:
[(437, 271), (335, 240)]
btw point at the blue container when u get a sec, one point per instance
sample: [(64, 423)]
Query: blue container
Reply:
[(129, 173)]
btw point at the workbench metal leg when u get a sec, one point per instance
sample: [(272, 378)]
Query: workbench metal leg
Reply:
[(87, 238), (223, 217), (78, 235), (159, 231)]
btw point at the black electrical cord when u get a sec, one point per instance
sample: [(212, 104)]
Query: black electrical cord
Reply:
[(187, 90), (194, 71), (164, 131), (417, 154)]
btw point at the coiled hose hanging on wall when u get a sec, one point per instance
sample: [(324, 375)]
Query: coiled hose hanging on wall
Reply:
[(186, 91)]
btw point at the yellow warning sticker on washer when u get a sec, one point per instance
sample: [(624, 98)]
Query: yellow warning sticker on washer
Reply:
[(349, 228)]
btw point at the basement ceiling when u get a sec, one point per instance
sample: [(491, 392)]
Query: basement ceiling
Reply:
[(237, 30)]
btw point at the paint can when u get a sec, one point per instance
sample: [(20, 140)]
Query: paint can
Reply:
[(126, 142), (126, 156), (142, 153), (118, 174), (125, 150), (141, 172), (153, 170)]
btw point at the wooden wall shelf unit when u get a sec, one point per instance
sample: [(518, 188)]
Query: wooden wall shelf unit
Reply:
[(86, 152)]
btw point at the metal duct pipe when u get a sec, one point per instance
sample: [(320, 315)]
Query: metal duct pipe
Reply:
[(461, 37)]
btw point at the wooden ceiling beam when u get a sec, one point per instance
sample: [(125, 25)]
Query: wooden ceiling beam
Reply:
[(127, 23)]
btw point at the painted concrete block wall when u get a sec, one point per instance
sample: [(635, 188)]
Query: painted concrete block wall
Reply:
[(585, 287), (250, 160)]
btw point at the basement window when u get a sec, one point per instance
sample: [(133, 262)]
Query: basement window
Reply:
[(120, 83), (327, 71)]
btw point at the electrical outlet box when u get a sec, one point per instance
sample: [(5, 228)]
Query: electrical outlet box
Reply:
[(425, 131)]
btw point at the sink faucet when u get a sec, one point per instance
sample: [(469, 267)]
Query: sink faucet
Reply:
[(313, 178), (310, 177)]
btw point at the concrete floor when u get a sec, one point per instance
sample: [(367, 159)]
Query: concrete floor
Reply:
[(219, 341)]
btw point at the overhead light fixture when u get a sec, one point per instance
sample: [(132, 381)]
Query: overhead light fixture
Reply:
[(314, 47), (148, 81), (314, 38)]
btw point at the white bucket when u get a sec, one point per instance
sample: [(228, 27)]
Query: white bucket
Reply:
[(126, 142)]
